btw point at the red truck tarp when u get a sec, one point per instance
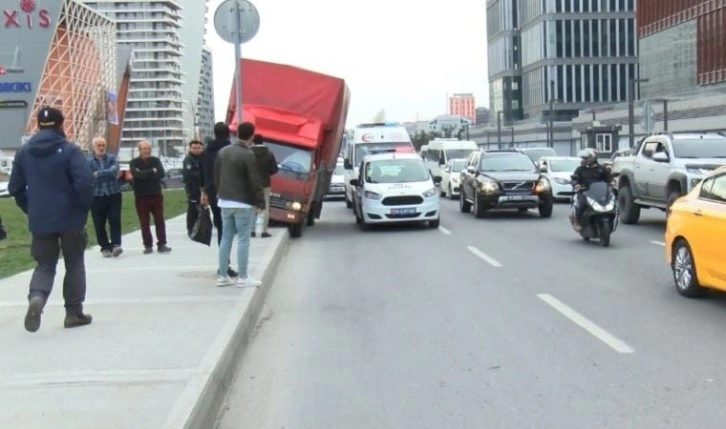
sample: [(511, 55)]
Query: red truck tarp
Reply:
[(304, 92)]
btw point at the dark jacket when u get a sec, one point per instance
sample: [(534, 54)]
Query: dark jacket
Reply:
[(236, 177), (585, 176), (106, 175), (209, 157), (192, 174), (145, 181), (266, 163), (52, 183)]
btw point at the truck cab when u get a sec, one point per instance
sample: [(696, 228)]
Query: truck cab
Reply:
[(664, 167)]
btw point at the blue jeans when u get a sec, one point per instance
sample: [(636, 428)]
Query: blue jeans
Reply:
[(235, 221)]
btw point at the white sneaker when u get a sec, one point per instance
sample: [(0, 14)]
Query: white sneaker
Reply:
[(248, 282), (223, 281)]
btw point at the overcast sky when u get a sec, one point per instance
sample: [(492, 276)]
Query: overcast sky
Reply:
[(397, 55)]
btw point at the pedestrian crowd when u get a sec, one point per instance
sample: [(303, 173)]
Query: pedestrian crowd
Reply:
[(57, 186)]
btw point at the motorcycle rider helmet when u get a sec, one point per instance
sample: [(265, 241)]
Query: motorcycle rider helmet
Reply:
[(587, 156)]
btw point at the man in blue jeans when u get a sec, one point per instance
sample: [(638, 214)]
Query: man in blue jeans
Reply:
[(240, 196)]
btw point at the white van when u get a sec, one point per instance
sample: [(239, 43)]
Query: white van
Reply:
[(440, 151), (369, 139)]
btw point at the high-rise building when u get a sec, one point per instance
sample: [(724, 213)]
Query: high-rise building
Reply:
[(205, 100), (193, 37), (577, 53), (463, 105), (155, 106), (482, 115), (690, 35)]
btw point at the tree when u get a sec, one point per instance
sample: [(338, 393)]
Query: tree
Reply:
[(380, 116)]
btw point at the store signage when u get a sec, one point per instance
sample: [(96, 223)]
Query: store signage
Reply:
[(12, 87), (13, 104), (8, 70), (26, 16)]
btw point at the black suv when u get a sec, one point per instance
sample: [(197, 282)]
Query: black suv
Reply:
[(503, 179)]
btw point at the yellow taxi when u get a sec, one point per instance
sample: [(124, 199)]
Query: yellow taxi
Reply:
[(695, 237)]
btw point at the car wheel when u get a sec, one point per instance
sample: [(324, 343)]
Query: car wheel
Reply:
[(433, 224), (451, 192), (630, 212), (684, 270), (479, 211), (545, 210)]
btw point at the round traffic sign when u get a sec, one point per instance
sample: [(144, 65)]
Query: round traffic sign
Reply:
[(225, 21)]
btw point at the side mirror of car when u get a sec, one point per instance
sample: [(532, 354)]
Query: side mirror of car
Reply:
[(354, 182), (471, 170), (347, 164), (437, 180), (542, 168), (661, 157)]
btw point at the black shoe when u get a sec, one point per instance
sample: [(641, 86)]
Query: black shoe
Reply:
[(76, 320), (32, 317), (232, 273), (163, 249), (148, 250), (254, 234), (266, 235)]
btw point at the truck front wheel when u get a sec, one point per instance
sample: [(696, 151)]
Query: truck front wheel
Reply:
[(296, 230), (629, 209), (311, 218)]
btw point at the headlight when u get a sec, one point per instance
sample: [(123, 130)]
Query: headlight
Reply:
[(372, 195), (488, 187), (429, 193), (698, 171), (562, 181), (543, 185), (602, 208), (296, 206)]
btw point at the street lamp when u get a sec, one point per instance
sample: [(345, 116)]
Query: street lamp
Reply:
[(631, 108)]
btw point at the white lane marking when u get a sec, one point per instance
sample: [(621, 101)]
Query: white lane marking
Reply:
[(658, 243), (444, 230), (486, 258), (586, 324)]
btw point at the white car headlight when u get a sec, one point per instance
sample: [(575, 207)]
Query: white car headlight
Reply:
[(296, 206), (429, 193), (372, 195), (488, 187), (543, 185), (562, 181)]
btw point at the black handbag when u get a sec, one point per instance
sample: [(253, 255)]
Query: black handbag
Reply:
[(202, 230)]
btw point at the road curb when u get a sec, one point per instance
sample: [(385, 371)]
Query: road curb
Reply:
[(198, 405)]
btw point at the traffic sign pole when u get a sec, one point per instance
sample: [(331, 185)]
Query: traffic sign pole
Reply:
[(238, 59)]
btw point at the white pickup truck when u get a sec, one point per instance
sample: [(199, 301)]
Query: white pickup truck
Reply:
[(665, 167)]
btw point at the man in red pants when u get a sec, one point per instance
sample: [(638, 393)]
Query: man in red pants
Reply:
[(147, 172)]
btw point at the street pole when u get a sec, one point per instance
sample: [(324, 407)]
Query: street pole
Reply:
[(551, 137), (665, 115), (511, 146), (631, 113), (499, 129), (238, 60)]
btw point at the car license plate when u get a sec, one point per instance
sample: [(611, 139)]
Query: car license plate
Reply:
[(514, 197), (405, 211)]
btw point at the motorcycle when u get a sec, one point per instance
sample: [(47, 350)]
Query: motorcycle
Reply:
[(600, 216)]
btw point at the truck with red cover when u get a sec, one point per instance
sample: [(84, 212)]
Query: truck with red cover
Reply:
[(301, 115)]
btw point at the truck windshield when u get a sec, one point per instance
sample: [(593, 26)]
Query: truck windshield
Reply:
[(700, 148), (292, 161), (500, 163), (363, 149), (396, 171)]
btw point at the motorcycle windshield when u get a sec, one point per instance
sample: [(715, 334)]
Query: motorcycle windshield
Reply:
[(599, 191)]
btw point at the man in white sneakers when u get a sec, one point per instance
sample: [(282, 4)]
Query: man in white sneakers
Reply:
[(240, 196)]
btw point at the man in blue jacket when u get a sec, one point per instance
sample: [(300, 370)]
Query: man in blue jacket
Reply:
[(52, 183), (107, 199)]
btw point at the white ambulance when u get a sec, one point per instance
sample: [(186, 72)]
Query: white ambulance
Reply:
[(369, 139)]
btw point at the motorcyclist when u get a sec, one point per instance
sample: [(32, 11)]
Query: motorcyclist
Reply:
[(589, 171)]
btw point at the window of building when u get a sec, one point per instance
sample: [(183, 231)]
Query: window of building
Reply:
[(603, 143), (559, 37), (568, 39), (596, 83), (577, 34), (587, 88), (586, 29), (613, 82)]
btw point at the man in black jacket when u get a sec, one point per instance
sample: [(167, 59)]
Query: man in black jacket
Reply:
[(586, 174), (147, 172), (52, 183), (266, 166), (193, 182), (209, 190)]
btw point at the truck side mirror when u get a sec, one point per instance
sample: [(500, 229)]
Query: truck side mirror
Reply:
[(661, 157), (347, 164), (354, 182)]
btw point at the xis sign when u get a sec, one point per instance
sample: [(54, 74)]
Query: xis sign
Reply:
[(26, 16)]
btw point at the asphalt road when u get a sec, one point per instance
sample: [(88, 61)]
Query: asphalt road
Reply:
[(506, 322)]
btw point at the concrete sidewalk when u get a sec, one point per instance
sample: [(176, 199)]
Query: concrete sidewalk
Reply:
[(159, 353)]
